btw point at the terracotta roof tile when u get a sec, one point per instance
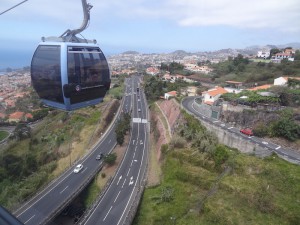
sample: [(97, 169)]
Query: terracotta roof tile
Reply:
[(216, 91)]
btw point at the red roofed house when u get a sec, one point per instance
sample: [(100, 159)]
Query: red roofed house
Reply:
[(152, 71), (210, 96), (262, 87), (28, 116), (170, 94), (16, 117)]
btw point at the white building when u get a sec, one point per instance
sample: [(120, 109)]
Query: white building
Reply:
[(170, 94), (283, 80), (263, 54), (210, 96)]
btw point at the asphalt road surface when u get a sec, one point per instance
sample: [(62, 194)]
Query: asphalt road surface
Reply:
[(115, 204), (51, 201), (292, 156)]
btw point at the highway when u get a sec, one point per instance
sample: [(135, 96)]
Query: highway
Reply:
[(292, 156), (42, 208), (114, 206)]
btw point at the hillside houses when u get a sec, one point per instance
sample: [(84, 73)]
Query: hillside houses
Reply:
[(286, 54), (198, 69), (19, 116)]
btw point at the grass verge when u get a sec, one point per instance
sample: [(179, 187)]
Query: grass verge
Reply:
[(3, 135), (257, 191)]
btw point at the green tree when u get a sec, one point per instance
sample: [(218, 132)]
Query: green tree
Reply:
[(297, 55), (286, 126), (110, 159)]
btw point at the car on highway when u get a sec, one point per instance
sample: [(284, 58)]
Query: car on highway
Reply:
[(100, 156), (78, 168), (247, 131), (139, 110)]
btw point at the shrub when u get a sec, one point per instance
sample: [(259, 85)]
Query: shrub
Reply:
[(261, 130), (220, 155), (177, 142), (110, 159)]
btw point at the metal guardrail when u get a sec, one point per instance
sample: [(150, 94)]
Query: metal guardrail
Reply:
[(89, 179), (72, 196), (134, 207)]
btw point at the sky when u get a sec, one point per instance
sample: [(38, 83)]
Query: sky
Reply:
[(149, 26)]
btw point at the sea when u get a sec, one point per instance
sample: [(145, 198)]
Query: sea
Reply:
[(14, 60)]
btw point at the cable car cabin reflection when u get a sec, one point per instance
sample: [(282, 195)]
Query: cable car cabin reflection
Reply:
[(70, 76)]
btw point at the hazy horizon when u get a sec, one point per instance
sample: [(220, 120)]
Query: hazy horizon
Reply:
[(16, 59)]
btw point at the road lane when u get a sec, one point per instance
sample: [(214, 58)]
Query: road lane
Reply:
[(50, 201), (190, 105), (116, 203)]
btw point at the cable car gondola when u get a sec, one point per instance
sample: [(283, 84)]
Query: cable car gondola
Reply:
[(68, 72)]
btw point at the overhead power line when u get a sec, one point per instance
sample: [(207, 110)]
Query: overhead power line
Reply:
[(13, 7)]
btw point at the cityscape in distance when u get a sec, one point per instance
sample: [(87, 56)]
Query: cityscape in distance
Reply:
[(20, 59)]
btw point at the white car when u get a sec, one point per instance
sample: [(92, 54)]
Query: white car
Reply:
[(78, 168)]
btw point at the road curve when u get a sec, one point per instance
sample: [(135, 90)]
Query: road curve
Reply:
[(191, 106)]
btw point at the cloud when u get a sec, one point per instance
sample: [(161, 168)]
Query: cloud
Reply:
[(254, 14), (282, 15)]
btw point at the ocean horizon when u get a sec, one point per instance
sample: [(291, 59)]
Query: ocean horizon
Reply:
[(14, 59)]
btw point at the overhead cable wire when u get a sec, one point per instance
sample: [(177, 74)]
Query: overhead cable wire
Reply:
[(13, 7)]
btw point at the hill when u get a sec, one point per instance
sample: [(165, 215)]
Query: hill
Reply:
[(206, 183)]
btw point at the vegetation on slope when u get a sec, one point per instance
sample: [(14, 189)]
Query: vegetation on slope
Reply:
[(241, 69), (3, 135), (35, 156), (207, 183)]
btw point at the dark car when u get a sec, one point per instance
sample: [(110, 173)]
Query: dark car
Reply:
[(100, 156)]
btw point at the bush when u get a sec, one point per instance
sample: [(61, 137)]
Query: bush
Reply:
[(110, 159), (220, 155), (177, 142), (261, 130), (286, 128)]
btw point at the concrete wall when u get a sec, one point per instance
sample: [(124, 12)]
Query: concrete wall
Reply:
[(234, 141)]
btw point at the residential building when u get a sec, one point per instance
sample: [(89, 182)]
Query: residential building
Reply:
[(233, 86), (152, 71), (263, 54), (212, 95), (15, 117), (286, 54), (262, 87), (170, 94), (283, 80)]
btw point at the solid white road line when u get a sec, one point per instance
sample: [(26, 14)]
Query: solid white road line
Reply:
[(29, 219), (117, 196), (107, 213), (63, 190)]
